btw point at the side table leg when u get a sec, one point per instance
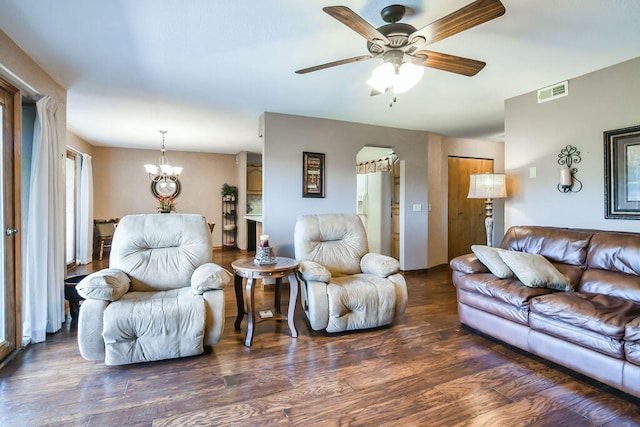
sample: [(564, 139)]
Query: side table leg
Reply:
[(293, 297), (250, 313), (237, 284), (276, 302)]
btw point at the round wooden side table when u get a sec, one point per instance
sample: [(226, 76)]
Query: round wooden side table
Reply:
[(247, 269)]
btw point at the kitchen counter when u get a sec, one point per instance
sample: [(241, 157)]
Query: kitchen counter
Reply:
[(254, 230), (256, 218)]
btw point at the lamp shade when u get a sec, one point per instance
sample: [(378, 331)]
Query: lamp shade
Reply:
[(487, 186)]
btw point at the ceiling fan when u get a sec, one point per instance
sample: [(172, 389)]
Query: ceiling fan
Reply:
[(400, 45)]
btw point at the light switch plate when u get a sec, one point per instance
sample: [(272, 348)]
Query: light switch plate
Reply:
[(417, 207)]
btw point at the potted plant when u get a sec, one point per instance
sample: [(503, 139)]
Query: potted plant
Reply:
[(166, 204), (229, 192)]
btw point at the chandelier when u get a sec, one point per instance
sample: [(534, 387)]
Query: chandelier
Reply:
[(164, 171)]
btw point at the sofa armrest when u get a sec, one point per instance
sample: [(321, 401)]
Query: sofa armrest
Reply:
[(208, 277), (313, 272), (109, 284), (468, 264), (379, 265)]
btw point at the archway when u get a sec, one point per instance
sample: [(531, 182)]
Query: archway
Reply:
[(378, 198)]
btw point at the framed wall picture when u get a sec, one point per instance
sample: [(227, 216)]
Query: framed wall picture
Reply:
[(622, 173), (312, 174)]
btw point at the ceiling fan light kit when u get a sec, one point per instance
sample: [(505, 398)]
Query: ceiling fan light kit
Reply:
[(394, 74), (398, 44)]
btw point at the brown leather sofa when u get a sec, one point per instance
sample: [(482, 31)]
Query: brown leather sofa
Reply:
[(594, 330)]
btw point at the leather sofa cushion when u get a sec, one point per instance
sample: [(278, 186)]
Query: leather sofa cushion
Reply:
[(336, 241), (632, 330), (616, 252), (360, 301), (632, 341), (556, 244), (576, 335), (147, 326), (602, 314), (160, 252), (509, 291), (468, 264), (611, 283), (494, 306)]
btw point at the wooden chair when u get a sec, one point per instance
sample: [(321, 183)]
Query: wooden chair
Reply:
[(103, 230)]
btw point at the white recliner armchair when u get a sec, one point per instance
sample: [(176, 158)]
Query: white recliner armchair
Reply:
[(161, 296), (343, 286)]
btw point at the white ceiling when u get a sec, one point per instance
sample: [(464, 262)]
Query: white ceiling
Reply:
[(205, 70)]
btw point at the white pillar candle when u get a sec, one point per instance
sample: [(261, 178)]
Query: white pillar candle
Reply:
[(565, 177), (264, 240)]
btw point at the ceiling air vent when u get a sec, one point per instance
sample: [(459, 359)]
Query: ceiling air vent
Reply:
[(552, 92)]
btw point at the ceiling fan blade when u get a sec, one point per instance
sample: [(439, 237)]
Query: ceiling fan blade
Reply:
[(352, 20), (451, 63), (476, 13), (333, 64)]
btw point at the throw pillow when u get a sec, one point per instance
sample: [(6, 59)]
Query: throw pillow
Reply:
[(491, 259), (535, 271), (208, 277), (109, 284)]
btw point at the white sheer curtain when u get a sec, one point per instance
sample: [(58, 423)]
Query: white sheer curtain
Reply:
[(85, 211), (43, 309)]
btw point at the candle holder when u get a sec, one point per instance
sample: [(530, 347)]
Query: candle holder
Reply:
[(568, 183), (265, 256)]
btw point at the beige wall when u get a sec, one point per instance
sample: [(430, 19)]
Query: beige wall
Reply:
[(15, 60), (424, 179), (286, 137), (535, 133), (79, 144), (122, 187)]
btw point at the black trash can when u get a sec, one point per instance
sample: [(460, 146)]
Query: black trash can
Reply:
[(71, 295)]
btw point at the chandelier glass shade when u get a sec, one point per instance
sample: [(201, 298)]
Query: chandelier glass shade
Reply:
[(397, 78), (163, 171)]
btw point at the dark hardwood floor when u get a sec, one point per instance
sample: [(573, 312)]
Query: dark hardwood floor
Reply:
[(423, 370)]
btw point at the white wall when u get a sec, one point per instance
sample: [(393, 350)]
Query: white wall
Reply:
[(535, 133), (286, 137)]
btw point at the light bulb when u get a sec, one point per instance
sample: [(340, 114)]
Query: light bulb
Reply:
[(382, 77), (408, 76)]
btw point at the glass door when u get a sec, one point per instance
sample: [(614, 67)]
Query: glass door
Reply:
[(9, 219), (72, 196)]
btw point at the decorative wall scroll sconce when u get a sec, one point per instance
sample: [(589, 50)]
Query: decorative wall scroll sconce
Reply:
[(568, 183)]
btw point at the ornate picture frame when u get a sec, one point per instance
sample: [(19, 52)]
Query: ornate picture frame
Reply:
[(166, 188), (622, 173), (312, 174)]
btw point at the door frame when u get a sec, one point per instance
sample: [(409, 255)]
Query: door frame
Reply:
[(12, 299)]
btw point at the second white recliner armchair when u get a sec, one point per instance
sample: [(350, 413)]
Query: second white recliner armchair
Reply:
[(343, 287)]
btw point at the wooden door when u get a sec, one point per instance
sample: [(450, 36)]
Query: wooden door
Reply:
[(395, 212), (10, 331), (465, 216)]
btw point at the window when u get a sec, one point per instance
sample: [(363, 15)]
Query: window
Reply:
[(72, 180)]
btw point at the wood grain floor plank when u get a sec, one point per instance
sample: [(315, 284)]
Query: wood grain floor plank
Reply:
[(423, 370)]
